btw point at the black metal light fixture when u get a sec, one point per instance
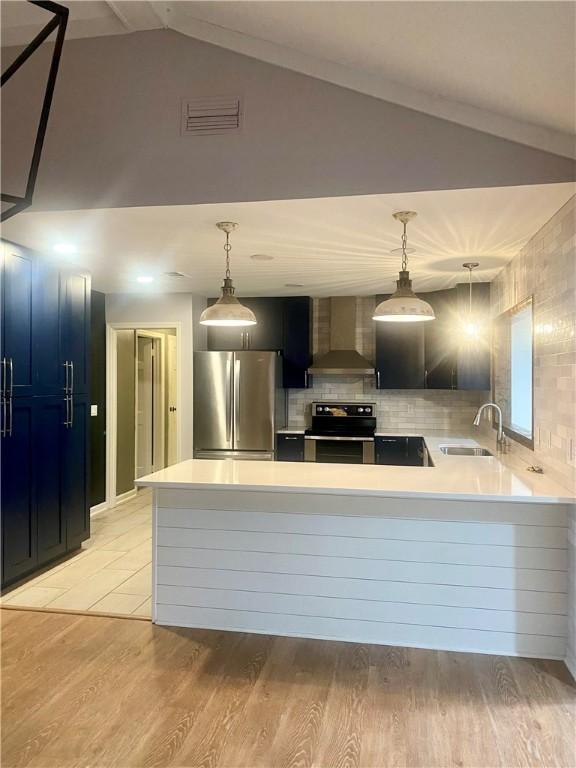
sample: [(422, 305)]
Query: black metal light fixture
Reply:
[(57, 22)]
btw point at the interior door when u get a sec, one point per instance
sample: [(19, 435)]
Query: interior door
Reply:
[(172, 388), (145, 406), (213, 401), (254, 390)]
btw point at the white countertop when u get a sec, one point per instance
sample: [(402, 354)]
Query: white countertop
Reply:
[(451, 477)]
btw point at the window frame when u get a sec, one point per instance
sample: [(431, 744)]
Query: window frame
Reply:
[(518, 437)]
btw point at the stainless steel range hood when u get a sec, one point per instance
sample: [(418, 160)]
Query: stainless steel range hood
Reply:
[(343, 357)]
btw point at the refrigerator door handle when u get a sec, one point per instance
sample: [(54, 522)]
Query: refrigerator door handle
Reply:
[(236, 405), (229, 405)]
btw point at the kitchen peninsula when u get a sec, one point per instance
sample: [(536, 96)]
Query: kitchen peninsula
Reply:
[(465, 555)]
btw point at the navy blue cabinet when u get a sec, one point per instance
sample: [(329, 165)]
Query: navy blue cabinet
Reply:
[(289, 447), (49, 418), (45, 411), (75, 328), (297, 341), (400, 359), (284, 324), (19, 541), (400, 451), (440, 336), (75, 472), (473, 370), (17, 341)]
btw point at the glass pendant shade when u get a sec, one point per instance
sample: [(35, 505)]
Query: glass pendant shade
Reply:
[(228, 310), (404, 306)]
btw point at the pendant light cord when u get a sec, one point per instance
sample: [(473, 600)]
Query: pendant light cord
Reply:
[(404, 254), (470, 291), (227, 249)]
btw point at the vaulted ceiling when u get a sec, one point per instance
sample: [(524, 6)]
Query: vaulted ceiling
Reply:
[(507, 68)]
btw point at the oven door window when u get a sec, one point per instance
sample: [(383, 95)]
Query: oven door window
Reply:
[(339, 451)]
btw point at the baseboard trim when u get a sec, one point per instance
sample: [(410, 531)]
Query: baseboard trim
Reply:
[(570, 662), (125, 497), (102, 507), (70, 612)]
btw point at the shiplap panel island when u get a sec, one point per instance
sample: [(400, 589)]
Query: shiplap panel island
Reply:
[(468, 560)]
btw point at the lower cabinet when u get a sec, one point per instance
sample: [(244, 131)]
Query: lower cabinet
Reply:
[(289, 447), (19, 541), (45, 505), (400, 451)]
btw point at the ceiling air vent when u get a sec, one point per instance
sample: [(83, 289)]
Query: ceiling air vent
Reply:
[(210, 115), (175, 274)]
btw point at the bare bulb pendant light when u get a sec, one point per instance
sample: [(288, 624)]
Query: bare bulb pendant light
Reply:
[(471, 325), (404, 306), (227, 311)]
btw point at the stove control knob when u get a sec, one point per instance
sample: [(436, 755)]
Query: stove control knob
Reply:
[(368, 410), (360, 410)]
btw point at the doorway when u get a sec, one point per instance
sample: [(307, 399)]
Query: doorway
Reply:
[(143, 433)]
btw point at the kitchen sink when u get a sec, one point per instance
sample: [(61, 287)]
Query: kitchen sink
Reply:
[(464, 450)]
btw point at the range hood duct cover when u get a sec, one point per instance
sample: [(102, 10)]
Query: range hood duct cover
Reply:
[(342, 358)]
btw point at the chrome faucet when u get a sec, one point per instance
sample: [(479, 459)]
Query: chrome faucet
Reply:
[(501, 437)]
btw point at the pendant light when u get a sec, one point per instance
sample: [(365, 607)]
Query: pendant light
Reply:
[(471, 325), (227, 310), (404, 306)]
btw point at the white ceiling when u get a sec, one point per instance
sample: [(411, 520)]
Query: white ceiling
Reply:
[(331, 246), (508, 68)]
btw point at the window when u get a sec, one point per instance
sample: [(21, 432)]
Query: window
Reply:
[(521, 371)]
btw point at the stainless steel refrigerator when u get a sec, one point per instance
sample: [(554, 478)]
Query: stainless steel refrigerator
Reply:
[(239, 404)]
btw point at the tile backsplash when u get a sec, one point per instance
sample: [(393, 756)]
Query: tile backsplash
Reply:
[(546, 270), (410, 410)]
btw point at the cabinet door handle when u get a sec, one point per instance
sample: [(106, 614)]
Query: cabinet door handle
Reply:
[(71, 399), (65, 364), (71, 377), (3, 432), (377, 379), (11, 397), (425, 378), (286, 437), (4, 363), (66, 421)]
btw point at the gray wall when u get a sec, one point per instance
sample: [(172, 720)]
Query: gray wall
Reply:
[(114, 134), (125, 412)]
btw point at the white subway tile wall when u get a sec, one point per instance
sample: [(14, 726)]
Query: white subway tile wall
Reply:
[(410, 410), (546, 269)]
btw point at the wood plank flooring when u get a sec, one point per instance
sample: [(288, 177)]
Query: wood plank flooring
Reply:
[(100, 692), (112, 573)]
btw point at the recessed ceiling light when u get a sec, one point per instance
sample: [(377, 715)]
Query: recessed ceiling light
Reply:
[(144, 279), (294, 285), (261, 257), (65, 248)]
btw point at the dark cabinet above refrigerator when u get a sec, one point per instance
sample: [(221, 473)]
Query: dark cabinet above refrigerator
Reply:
[(436, 354), (284, 325)]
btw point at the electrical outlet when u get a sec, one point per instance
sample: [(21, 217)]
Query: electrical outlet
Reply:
[(93, 410)]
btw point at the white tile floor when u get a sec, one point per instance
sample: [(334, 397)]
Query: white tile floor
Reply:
[(111, 574)]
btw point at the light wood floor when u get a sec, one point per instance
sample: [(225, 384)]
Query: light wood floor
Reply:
[(112, 573), (98, 691)]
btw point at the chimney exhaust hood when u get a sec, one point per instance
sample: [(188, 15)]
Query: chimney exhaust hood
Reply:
[(343, 357)]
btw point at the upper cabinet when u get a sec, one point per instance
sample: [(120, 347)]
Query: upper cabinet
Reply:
[(440, 348), (474, 354), (17, 333), (75, 329), (400, 356), (437, 354), (283, 324)]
